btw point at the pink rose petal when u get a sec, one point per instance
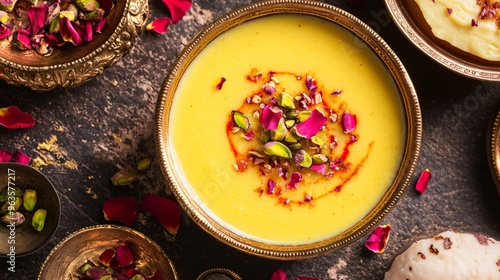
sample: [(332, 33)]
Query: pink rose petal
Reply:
[(124, 255), (4, 31), (159, 25), (295, 179), (378, 239), (348, 122), (320, 168), (13, 118), (5, 156), (122, 209), (279, 275), (69, 31), (37, 16), (21, 157), (177, 8), (311, 125), (423, 181), (271, 117)]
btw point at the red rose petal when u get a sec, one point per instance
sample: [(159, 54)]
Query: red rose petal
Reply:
[(69, 31), (124, 255), (423, 181), (5, 156), (166, 211), (37, 16), (159, 25), (177, 8), (4, 31), (106, 257), (21, 158), (378, 239), (122, 209), (220, 84), (270, 117), (279, 275), (13, 118)]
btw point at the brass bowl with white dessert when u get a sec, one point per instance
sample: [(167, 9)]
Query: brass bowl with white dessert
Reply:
[(287, 129)]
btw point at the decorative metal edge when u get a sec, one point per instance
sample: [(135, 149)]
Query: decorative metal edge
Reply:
[(410, 99), (77, 72), (106, 226), (414, 35), (220, 270), (493, 148)]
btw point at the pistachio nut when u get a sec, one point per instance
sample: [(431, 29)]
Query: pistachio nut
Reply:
[(38, 221), (29, 199), (302, 158), (87, 5), (12, 205), (241, 120), (319, 158), (318, 140), (4, 17), (143, 164), (285, 100), (280, 132), (85, 267), (55, 25), (16, 218), (275, 148), (125, 177), (6, 192), (304, 115)]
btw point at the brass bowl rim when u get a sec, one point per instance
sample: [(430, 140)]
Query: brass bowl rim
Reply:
[(111, 227), (58, 206), (444, 56), (493, 147), (401, 79)]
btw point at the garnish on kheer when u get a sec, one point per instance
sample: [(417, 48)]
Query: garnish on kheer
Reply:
[(470, 25), (303, 139)]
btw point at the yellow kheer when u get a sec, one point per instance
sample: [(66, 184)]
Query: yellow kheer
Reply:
[(225, 168)]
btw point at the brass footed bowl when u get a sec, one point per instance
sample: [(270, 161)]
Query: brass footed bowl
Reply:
[(196, 208), (70, 66)]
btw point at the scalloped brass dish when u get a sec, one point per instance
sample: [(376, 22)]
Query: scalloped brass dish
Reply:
[(88, 243), (70, 66), (409, 19), (198, 210)]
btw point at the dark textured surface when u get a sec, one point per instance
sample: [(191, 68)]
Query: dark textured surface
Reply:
[(102, 127)]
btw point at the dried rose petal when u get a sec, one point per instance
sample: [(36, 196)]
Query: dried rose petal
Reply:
[(97, 272), (122, 209), (106, 257), (166, 211), (13, 118), (348, 122), (336, 92), (320, 168), (279, 275), (5, 156), (295, 179), (4, 31), (311, 125), (159, 25), (220, 84), (474, 22), (311, 84), (249, 135), (177, 8), (269, 88), (22, 40), (271, 185), (378, 239), (100, 25), (69, 32), (37, 16), (21, 157), (449, 10), (270, 117), (124, 255), (423, 181)]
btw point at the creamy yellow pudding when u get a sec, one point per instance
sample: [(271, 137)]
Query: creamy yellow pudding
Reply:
[(470, 25), (220, 137)]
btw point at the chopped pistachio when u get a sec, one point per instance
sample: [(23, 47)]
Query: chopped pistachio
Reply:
[(292, 137), (84, 267), (38, 221), (143, 164), (8, 206), (304, 115), (302, 158), (7, 5), (71, 15), (29, 199), (289, 123), (256, 99), (87, 5), (293, 114), (319, 158), (318, 140), (275, 148), (55, 26), (4, 195), (296, 146), (241, 120), (286, 100), (16, 218), (280, 132), (264, 136), (4, 17), (125, 177)]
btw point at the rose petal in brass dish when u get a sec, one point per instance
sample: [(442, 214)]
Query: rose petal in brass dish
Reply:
[(88, 244), (409, 19)]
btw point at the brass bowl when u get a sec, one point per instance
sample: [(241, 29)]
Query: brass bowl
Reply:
[(196, 209), (70, 66), (27, 239), (410, 20), (218, 273), (493, 148), (88, 243)]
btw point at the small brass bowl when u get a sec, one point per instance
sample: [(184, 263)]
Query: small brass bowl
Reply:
[(23, 238), (193, 203), (70, 66), (87, 244), (410, 20)]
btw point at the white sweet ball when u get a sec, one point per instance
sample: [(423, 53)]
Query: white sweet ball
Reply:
[(449, 255)]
